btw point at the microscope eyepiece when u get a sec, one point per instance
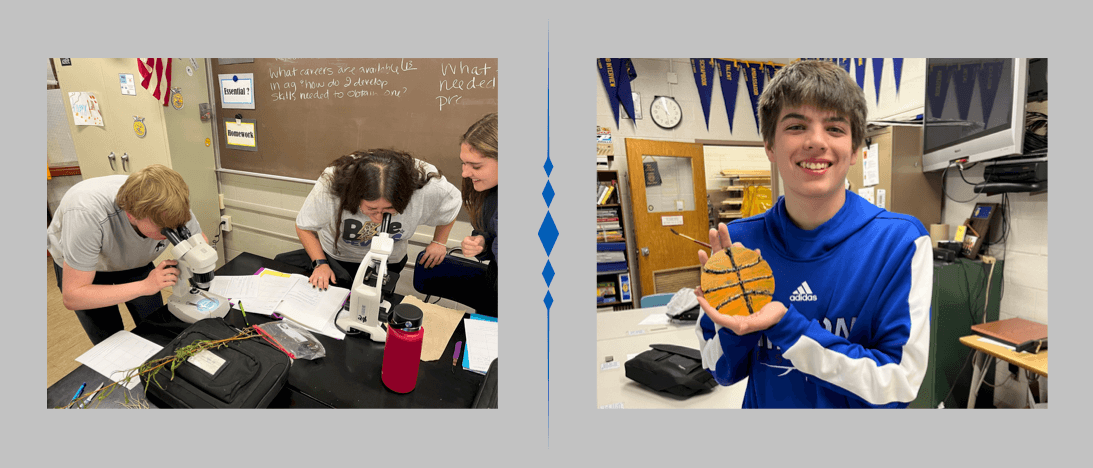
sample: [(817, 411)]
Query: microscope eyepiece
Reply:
[(171, 235), (386, 222)]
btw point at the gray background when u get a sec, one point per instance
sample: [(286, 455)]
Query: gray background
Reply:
[(541, 422)]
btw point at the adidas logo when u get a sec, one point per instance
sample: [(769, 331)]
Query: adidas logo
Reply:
[(803, 293)]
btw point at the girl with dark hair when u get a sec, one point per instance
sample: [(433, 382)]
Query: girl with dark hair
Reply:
[(344, 210)]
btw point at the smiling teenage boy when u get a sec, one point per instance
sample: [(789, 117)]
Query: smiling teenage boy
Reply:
[(848, 326)]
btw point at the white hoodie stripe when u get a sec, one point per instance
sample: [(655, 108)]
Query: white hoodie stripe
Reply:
[(891, 382)]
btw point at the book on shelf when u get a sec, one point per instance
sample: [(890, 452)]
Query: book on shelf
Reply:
[(609, 236), (605, 291), (606, 195), (610, 256)]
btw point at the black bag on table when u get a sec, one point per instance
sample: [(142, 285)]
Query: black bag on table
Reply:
[(669, 368), (241, 374)]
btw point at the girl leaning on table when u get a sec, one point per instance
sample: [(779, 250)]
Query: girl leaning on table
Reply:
[(344, 210)]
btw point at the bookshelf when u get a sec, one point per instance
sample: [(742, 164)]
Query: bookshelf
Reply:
[(613, 285), (728, 201)]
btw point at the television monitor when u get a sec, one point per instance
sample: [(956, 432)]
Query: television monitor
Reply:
[(975, 110)]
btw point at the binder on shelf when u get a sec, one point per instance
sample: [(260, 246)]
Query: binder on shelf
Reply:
[(624, 287)]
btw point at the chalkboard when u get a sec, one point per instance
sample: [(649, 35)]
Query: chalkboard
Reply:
[(309, 112)]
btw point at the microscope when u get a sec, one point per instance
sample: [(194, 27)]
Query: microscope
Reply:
[(366, 303), (191, 300)]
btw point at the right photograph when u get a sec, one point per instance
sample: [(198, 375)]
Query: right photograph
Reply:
[(821, 233)]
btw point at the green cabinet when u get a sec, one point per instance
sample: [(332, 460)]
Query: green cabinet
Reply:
[(959, 293)]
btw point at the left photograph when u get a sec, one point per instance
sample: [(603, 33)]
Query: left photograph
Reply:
[(272, 233)]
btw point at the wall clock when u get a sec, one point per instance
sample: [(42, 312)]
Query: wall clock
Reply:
[(666, 112)]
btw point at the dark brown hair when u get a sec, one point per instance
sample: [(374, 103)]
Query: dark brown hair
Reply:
[(373, 174), (482, 137), (817, 83)]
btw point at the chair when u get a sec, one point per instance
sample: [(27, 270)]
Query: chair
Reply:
[(454, 279), (654, 300)]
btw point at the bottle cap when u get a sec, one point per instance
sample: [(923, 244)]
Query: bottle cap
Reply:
[(405, 317)]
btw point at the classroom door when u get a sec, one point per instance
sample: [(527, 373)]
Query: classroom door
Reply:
[(117, 135), (667, 191)]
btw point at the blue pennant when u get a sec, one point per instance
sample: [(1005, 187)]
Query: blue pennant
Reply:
[(625, 75), (730, 73), (937, 88), (990, 74), (897, 70), (859, 72), (703, 70), (753, 77), (845, 63), (965, 84), (606, 68), (878, 71)]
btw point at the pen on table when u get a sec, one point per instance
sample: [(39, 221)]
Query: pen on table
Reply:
[(79, 392), (455, 357), (244, 313), (92, 395)]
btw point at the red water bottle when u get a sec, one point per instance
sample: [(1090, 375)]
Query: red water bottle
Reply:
[(402, 351)]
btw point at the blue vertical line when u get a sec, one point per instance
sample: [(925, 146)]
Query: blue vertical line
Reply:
[(548, 214), (548, 256)]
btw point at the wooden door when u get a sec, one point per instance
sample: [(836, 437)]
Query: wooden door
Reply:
[(667, 191)]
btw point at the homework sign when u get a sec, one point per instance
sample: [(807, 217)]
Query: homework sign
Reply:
[(241, 134)]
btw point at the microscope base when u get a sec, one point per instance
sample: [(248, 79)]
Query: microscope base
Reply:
[(346, 323), (191, 307)]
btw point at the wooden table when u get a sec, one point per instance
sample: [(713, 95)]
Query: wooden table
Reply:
[(1036, 363)]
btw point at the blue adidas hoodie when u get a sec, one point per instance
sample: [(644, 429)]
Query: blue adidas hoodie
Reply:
[(857, 332)]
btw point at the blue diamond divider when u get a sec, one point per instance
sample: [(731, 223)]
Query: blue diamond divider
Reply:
[(548, 193), (548, 273), (548, 166), (548, 233), (548, 300)]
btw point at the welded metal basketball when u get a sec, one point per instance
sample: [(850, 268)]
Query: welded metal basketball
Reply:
[(737, 281)]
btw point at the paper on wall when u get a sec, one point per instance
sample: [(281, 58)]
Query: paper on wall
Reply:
[(871, 166)]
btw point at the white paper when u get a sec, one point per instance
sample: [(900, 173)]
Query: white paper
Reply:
[(85, 109), (234, 287), (871, 166), (259, 294), (481, 343), (128, 86), (997, 343), (655, 319), (312, 307), (866, 193), (115, 355)]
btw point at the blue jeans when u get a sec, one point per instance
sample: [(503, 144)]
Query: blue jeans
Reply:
[(100, 323)]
